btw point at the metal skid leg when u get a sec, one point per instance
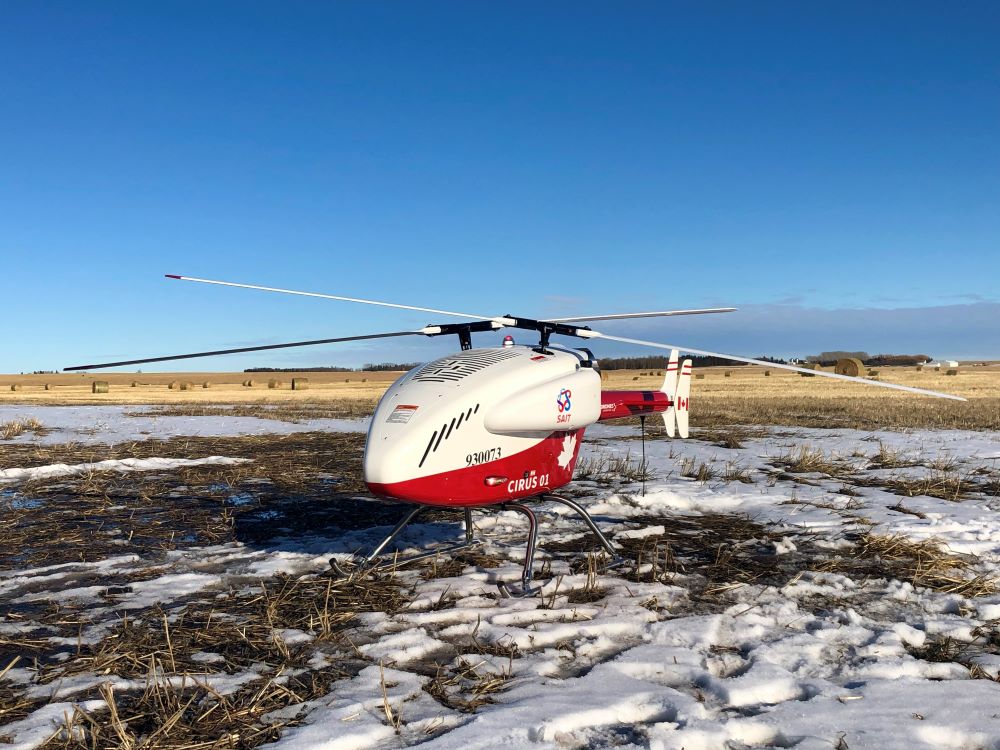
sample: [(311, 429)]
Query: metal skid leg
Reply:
[(616, 558), (373, 560), (529, 552)]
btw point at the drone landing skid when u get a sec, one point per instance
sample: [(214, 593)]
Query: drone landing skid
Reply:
[(375, 560)]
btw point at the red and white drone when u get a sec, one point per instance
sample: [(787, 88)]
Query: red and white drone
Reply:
[(496, 426)]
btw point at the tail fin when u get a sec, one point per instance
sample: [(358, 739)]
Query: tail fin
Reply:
[(683, 398), (670, 388)]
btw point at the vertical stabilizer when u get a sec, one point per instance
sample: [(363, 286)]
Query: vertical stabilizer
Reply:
[(670, 388), (683, 398)]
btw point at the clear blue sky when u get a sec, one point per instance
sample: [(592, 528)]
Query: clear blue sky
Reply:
[(832, 169)]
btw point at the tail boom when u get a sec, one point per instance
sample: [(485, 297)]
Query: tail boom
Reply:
[(618, 404)]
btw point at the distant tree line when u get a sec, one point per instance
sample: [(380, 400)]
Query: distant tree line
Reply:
[(367, 367), (660, 362), (299, 369), (653, 362), (879, 360), (389, 366)]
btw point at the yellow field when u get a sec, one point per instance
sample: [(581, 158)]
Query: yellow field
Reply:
[(745, 396), (224, 387)]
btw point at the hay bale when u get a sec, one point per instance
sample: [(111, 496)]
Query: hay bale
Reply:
[(364, 380), (135, 383), (727, 373), (636, 377), (809, 366), (659, 373), (206, 384), (187, 386), (174, 385), (952, 371), (920, 368), (248, 384), (48, 386), (767, 373), (99, 386), (300, 384), (272, 384), (850, 366), (699, 376), (16, 387)]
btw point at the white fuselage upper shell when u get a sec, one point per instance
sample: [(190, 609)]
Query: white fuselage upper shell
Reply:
[(477, 406)]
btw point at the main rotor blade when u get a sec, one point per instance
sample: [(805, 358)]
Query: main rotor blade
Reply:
[(660, 314), (793, 368), (330, 296), (421, 332)]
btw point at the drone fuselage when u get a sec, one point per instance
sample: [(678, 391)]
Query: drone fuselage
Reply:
[(487, 426)]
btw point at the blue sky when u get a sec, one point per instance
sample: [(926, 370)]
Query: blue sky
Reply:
[(833, 170)]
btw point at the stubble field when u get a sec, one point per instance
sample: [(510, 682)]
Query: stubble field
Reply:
[(819, 566)]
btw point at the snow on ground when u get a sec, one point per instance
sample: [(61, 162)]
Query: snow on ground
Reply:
[(124, 465), (816, 659), (109, 424)]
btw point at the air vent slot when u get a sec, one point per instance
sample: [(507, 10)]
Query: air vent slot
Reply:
[(459, 366), (444, 432)]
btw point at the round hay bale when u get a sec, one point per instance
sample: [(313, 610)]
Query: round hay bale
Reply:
[(920, 368), (99, 386), (347, 380), (135, 383), (206, 384), (952, 371), (248, 383), (699, 376), (809, 366), (16, 387), (48, 386), (727, 373), (659, 373), (364, 380), (174, 385), (300, 384), (767, 373), (850, 366), (187, 386), (272, 384), (636, 377)]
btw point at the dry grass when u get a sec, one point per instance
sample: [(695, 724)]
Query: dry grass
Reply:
[(222, 388), (923, 563), (742, 398), (296, 411), (177, 707), (608, 469), (808, 460), (746, 398), (17, 427)]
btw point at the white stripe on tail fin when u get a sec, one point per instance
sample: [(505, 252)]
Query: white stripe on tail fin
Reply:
[(670, 388), (683, 398)]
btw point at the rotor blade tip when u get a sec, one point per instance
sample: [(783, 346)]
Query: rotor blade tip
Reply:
[(171, 276)]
